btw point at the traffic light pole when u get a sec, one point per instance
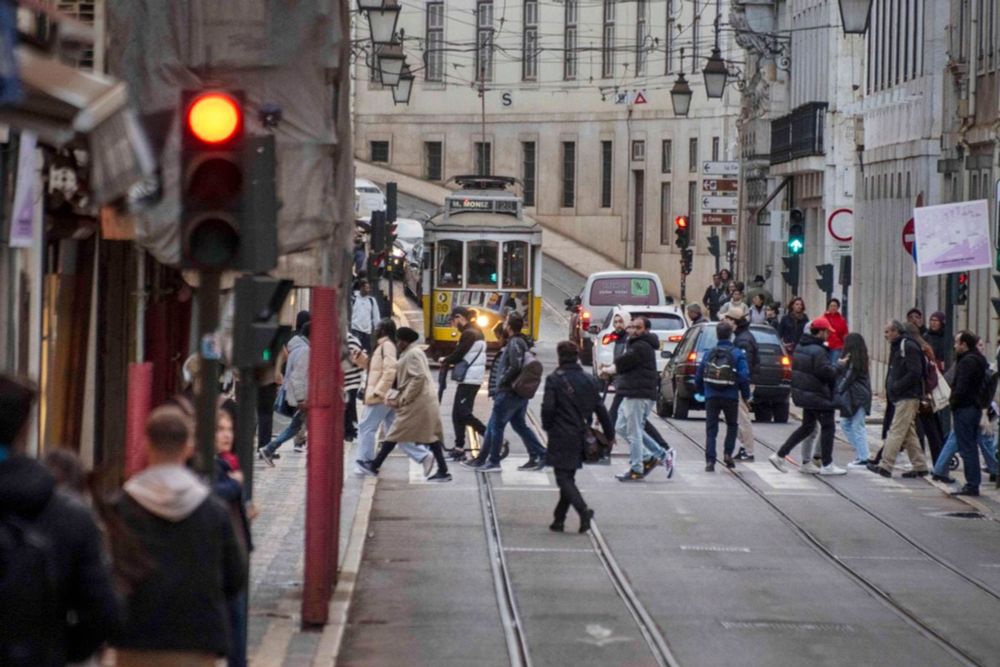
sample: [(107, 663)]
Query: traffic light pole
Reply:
[(209, 353)]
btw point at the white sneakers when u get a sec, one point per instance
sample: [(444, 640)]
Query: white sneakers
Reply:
[(778, 462), (809, 468), (832, 470)]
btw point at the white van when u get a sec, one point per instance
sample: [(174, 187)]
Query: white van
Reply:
[(368, 197), (602, 292)]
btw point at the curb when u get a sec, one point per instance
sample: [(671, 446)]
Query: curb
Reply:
[(340, 603)]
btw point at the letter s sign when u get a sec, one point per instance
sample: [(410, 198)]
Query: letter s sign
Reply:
[(506, 99)]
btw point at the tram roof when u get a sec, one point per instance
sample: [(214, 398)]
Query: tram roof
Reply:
[(487, 222)]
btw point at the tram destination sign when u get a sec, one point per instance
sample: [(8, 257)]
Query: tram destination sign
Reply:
[(461, 204)]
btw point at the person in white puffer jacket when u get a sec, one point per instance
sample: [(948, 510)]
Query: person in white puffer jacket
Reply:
[(471, 349)]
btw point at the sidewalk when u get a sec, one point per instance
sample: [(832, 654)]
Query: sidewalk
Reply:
[(560, 247)]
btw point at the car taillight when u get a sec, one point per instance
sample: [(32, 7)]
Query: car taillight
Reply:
[(609, 338), (675, 339), (693, 356), (585, 318), (785, 361)]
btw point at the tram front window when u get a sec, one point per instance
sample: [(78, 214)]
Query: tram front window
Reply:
[(515, 265), (449, 264), (483, 263)]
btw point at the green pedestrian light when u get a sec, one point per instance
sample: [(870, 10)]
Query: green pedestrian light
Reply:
[(795, 246), (796, 232)]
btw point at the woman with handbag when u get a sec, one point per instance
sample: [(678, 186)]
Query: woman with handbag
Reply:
[(468, 369), (854, 396), (928, 425), (570, 401)]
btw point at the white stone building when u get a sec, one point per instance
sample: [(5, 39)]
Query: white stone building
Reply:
[(558, 78)]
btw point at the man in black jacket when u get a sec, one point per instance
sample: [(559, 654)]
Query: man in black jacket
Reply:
[(176, 611), (57, 604), (967, 402), (638, 383), (571, 399), (813, 379), (743, 339), (471, 348), (904, 387), (714, 296)]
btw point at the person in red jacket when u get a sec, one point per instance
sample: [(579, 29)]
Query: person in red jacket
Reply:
[(838, 329)]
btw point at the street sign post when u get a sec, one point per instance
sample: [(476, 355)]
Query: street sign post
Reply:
[(718, 219), (716, 203), (908, 237), (720, 168)]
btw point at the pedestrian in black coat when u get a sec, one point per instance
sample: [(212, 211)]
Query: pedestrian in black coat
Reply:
[(68, 620), (570, 401)]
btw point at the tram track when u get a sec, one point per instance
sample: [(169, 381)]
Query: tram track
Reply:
[(873, 589), (514, 630)]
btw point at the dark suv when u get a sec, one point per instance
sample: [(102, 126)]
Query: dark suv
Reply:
[(772, 381)]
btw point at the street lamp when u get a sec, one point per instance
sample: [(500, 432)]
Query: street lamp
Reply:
[(368, 5), (680, 96), (382, 23), (854, 14), (401, 91), (390, 61), (715, 73)]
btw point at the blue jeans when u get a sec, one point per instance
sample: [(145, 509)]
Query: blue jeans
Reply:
[(293, 427), (950, 448), (371, 419), (509, 408), (988, 446), (631, 426), (854, 429), (967, 434)]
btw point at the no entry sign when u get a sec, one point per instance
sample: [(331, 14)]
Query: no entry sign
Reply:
[(908, 237)]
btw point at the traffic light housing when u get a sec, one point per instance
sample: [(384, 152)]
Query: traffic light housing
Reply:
[(687, 261), (790, 274), (256, 332), (962, 292), (714, 248), (796, 232), (682, 231), (213, 181), (825, 280)]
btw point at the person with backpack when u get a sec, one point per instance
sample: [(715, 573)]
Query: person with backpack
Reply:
[(571, 399), (468, 368), (723, 376), (519, 374), (57, 602), (638, 384), (854, 396), (744, 339), (176, 604), (813, 379), (970, 395), (904, 388)]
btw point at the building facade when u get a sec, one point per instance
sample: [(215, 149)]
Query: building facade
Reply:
[(576, 105)]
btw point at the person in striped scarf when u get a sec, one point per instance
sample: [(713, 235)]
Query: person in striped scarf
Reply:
[(354, 362)]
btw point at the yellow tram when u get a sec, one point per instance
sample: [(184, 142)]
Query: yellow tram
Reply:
[(481, 252)]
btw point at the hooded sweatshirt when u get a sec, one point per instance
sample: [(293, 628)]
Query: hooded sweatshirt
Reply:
[(195, 563), (40, 634)]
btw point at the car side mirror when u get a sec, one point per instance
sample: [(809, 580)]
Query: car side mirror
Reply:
[(594, 329), (666, 354), (568, 303)]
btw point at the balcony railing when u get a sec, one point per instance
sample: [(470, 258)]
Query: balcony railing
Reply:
[(799, 134)]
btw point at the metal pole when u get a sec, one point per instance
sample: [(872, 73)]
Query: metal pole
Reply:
[(207, 394)]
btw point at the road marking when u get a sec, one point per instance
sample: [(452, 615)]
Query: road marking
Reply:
[(601, 636), (417, 473), (792, 480), (740, 550), (883, 558), (511, 476), (788, 626), (564, 550)]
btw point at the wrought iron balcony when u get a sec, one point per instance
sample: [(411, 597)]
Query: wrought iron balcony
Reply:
[(799, 134)]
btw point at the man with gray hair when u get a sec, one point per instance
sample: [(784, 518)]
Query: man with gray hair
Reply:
[(904, 387), (694, 314)]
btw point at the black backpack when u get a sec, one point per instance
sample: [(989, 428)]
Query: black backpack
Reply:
[(29, 589), (988, 389), (720, 367)]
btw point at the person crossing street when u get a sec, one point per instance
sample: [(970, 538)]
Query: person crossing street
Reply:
[(744, 339), (468, 369), (968, 400), (723, 377)]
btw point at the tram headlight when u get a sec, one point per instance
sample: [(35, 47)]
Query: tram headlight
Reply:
[(482, 321)]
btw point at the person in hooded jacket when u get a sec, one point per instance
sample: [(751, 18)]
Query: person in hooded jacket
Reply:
[(296, 382), (176, 611), (793, 323), (638, 383), (723, 398), (571, 399), (967, 404), (813, 380), (838, 329), (854, 396), (744, 339), (937, 338), (46, 528)]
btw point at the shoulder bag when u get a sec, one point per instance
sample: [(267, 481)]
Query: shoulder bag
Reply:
[(459, 371), (595, 445)]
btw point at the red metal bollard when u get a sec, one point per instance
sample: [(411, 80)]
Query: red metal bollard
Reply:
[(324, 478), (138, 407)]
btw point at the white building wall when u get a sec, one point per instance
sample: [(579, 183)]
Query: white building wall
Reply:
[(551, 110)]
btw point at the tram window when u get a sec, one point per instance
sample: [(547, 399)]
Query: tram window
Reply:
[(515, 264), (449, 264), (482, 260)]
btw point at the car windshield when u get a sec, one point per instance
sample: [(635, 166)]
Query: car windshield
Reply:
[(625, 290), (663, 321), (763, 336), (368, 189)]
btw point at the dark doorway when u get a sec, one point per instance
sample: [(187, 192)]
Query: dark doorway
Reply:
[(639, 214)]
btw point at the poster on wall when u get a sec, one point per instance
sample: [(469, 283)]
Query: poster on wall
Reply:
[(26, 194), (952, 237)]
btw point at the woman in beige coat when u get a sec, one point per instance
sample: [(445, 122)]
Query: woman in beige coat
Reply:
[(418, 413), (381, 378)]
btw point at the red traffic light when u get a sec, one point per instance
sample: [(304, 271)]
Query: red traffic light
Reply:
[(681, 222), (963, 278), (214, 118)]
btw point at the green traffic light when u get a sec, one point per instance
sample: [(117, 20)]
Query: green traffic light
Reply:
[(796, 246), (267, 355)]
